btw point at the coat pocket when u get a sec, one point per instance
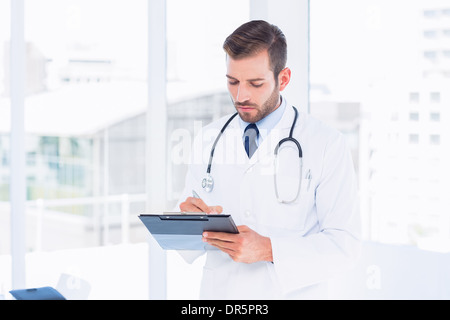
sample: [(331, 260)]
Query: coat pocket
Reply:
[(281, 217)]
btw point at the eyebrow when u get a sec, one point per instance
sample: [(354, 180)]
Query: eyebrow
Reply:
[(249, 80)]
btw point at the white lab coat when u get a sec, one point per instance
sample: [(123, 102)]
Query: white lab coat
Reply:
[(312, 239)]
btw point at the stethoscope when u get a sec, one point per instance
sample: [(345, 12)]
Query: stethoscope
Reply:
[(208, 181)]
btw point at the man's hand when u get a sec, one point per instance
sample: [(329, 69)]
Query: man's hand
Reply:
[(192, 204), (247, 246)]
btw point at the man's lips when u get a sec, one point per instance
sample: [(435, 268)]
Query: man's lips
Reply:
[(245, 107)]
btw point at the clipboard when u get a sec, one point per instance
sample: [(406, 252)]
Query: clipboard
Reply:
[(183, 231)]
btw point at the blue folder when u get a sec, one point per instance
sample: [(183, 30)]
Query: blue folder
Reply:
[(43, 293), (183, 231)]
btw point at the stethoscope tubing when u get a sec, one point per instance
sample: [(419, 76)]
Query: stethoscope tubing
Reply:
[(208, 181), (213, 148)]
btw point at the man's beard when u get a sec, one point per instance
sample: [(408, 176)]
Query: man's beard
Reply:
[(268, 106)]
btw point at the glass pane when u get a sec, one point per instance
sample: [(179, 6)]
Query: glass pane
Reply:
[(86, 98), (391, 101), (5, 116)]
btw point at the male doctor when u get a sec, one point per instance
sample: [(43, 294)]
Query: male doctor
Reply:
[(298, 219)]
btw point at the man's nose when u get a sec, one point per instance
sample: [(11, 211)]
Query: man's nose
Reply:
[(242, 94)]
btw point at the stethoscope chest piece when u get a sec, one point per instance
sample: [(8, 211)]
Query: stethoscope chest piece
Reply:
[(208, 183)]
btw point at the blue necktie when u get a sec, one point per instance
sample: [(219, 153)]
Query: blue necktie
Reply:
[(250, 136)]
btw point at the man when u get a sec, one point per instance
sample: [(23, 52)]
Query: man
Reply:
[(297, 218)]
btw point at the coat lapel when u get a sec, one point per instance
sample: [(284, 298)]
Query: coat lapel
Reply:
[(235, 148), (280, 131)]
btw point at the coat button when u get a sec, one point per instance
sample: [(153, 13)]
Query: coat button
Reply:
[(247, 213)]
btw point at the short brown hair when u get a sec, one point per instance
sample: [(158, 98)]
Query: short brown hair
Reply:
[(255, 36)]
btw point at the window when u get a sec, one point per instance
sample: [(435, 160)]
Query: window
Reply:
[(394, 116), (86, 102), (430, 34), (435, 139), (414, 116), (430, 13), (414, 97), (91, 78), (364, 72), (85, 98), (413, 138), (4, 129), (435, 116), (435, 97), (431, 55)]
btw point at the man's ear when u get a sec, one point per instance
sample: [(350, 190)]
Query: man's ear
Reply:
[(284, 77)]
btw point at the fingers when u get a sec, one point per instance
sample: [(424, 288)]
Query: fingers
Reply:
[(220, 240), (194, 205), (246, 246), (243, 228), (222, 236), (231, 244), (198, 205), (227, 242), (225, 236), (215, 210)]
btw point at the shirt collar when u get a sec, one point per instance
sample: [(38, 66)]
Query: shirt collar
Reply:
[(267, 123)]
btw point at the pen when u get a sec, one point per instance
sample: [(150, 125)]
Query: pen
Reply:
[(198, 197), (195, 194), (308, 176)]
